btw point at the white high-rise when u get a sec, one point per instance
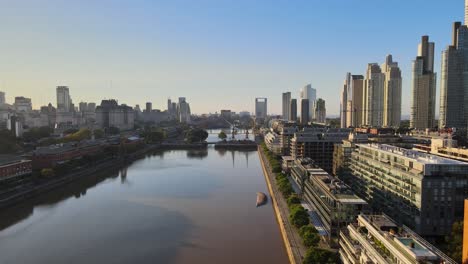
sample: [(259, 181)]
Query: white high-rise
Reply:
[(392, 93), (373, 96), (310, 94), (286, 105)]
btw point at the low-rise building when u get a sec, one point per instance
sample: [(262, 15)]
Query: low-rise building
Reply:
[(377, 239), (12, 167), (334, 201), (51, 156), (423, 191)]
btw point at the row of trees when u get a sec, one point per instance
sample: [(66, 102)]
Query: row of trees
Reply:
[(299, 217)]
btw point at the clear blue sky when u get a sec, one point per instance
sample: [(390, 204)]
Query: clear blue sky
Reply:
[(220, 54)]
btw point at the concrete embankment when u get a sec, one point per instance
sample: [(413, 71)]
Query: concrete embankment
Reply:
[(294, 247)]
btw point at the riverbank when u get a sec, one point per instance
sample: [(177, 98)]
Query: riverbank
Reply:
[(292, 241)]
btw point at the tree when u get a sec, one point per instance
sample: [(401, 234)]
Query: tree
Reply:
[(196, 135), (293, 199), (113, 130), (322, 256), (37, 133), (80, 135), (299, 216), (309, 235), (222, 135), (8, 142), (98, 133), (455, 242), (47, 173)]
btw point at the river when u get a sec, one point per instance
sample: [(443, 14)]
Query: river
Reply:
[(169, 207)]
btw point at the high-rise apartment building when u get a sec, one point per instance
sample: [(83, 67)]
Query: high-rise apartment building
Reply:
[(64, 102), (351, 103), (169, 106), (2, 98), (183, 110), (293, 110), (305, 111), (309, 93), (391, 93), (320, 111), (111, 114), (454, 80), (373, 96), (149, 107), (261, 108), (286, 105), (23, 104), (423, 87)]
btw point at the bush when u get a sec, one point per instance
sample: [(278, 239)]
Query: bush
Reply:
[(293, 199), (317, 255), (299, 216)]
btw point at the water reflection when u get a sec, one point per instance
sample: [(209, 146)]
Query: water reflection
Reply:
[(178, 206)]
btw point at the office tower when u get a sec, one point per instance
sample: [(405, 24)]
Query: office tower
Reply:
[(169, 105), (64, 102), (111, 114), (320, 111), (343, 103), (309, 93), (423, 87), (293, 110), (91, 107), (23, 104), (305, 111), (183, 110), (174, 108), (286, 105), (453, 82), (2, 98), (261, 108), (417, 189), (373, 96), (392, 93), (149, 107), (83, 107), (355, 103)]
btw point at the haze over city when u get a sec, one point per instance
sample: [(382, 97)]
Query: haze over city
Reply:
[(217, 53)]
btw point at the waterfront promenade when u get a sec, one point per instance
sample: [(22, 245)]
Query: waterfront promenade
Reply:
[(293, 242)]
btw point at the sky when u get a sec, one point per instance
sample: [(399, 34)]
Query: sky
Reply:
[(219, 54)]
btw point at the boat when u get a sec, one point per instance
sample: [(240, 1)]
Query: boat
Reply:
[(261, 199)]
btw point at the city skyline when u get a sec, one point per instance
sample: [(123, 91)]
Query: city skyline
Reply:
[(157, 51)]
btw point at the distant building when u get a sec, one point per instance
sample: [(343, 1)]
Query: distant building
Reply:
[(305, 111), (183, 110), (13, 167), (226, 114), (351, 103), (83, 107), (111, 114), (53, 155), (424, 87), (309, 93), (244, 114), (23, 104), (373, 96), (378, 239), (278, 140), (293, 110), (149, 107), (2, 98), (64, 102), (391, 93), (15, 125), (320, 111), (334, 201), (286, 105), (261, 110), (91, 107)]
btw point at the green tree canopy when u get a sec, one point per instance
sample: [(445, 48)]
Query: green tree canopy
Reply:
[(98, 133), (309, 235), (222, 135), (455, 242), (299, 216), (322, 256), (37, 133), (196, 135)]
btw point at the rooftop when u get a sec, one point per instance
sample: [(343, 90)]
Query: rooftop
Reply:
[(414, 155), (9, 159)]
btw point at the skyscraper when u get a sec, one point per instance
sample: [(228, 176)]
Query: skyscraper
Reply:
[(149, 107), (293, 110), (305, 106), (64, 102), (286, 105), (261, 109), (309, 93), (391, 93), (2, 98), (453, 83), (355, 103), (373, 96), (183, 110), (344, 102), (320, 111), (169, 106)]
